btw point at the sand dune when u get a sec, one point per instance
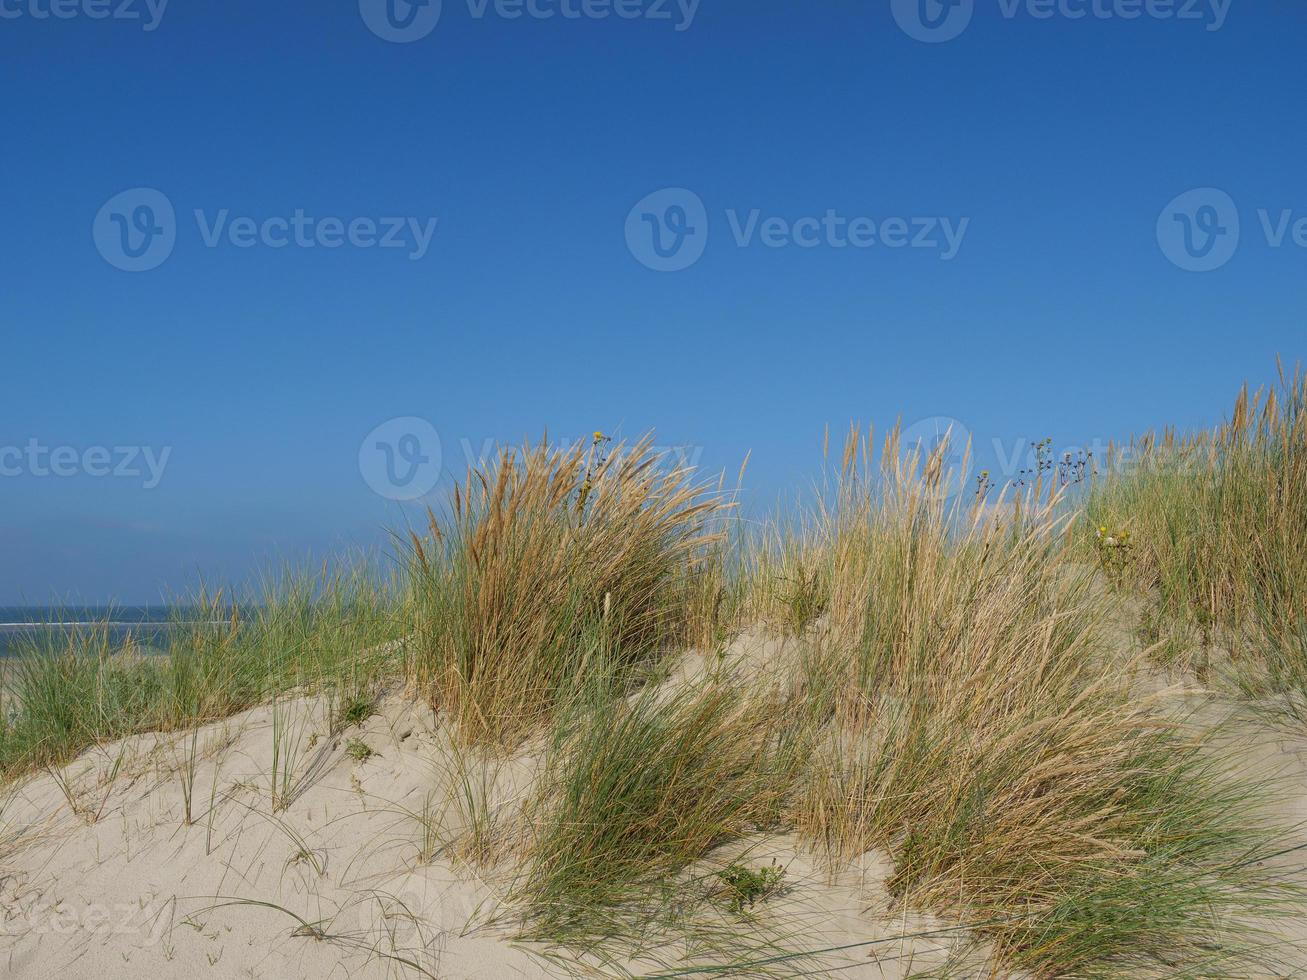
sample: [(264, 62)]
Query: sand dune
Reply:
[(334, 884)]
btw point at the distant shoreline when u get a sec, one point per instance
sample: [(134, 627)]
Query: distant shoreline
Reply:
[(20, 636), (118, 623)]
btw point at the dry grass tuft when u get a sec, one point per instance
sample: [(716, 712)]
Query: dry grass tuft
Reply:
[(978, 728), (551, 562), (1214, 526)]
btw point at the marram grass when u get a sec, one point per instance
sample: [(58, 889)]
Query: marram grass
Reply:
[(946, 689), (337, 631), (983, 733), (1209, 530), (549, 563)]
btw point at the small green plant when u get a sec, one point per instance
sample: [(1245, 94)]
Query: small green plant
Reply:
[(1115, 552), (358, 750), (803, 597), (743, 886), (356, 708)]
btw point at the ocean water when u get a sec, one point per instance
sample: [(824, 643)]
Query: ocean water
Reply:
[(40, 627)]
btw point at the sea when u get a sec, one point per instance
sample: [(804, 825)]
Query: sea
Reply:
[(25, 628)]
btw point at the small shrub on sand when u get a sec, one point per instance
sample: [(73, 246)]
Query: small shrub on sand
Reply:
[(743, 886), (550, 562), (355, 708), (358, 750)]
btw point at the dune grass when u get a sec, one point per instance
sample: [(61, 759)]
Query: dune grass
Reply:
[(786, 587), (337, 631), (64, 695), (947, 690), (550, 562), (955, 701), (985, 735), (1209, 530), (635, 792)]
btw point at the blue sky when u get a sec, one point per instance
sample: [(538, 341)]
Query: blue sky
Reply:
[(820, 141)]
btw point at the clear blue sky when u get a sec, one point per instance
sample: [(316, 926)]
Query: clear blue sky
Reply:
[(1060, 140)]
